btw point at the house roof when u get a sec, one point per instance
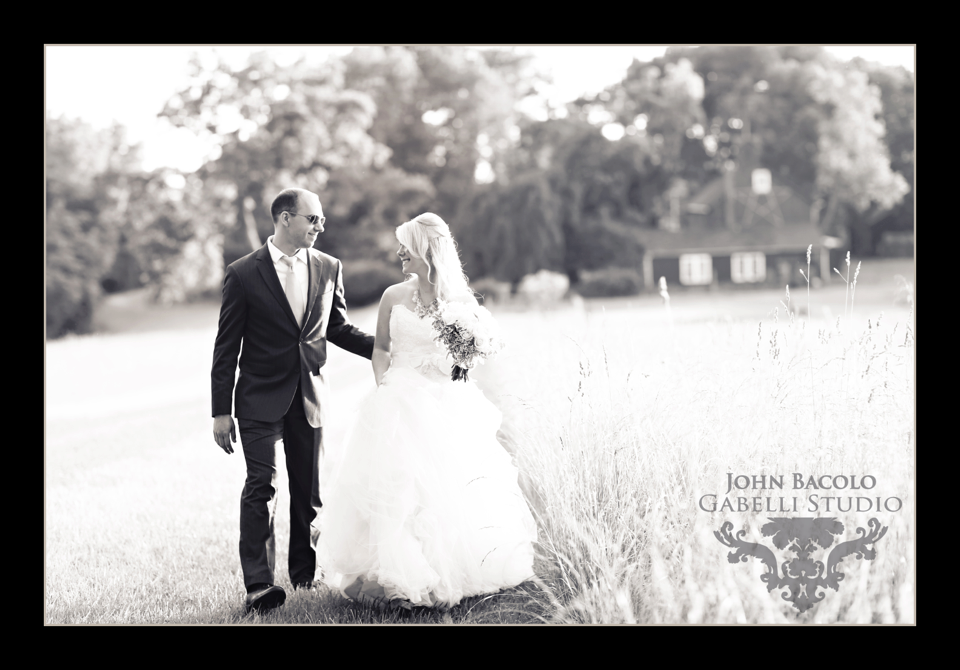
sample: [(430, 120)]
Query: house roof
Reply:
[(794, 237), (710, 193), (775, 222), (746, 161)]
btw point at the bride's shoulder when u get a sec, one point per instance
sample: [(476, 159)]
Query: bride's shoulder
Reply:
[(398, 292)]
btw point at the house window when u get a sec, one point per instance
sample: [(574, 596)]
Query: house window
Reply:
[(748, 267), (761, 181), (696, 269)]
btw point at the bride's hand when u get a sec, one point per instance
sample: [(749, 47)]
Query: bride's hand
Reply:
[(381, 346), (381, 365)]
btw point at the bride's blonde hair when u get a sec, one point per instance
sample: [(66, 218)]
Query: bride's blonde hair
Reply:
[(428, 237)]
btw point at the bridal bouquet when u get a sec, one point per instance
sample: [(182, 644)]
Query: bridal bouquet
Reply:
[(469, 333)]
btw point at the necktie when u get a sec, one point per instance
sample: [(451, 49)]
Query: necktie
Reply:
[(292, 289)]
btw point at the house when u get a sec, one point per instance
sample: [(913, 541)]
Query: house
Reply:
[(746, 228)]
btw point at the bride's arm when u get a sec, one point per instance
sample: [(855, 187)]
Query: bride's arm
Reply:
[(381, 346)]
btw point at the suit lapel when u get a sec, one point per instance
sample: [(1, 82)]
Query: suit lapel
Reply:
[(315, 266), (269, 275)]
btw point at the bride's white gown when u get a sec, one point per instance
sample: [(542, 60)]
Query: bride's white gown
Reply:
[(425, 505)]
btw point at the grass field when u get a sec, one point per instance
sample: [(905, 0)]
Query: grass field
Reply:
[(621, 415)]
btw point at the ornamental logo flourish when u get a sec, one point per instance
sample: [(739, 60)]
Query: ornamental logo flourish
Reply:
[(802, 576)]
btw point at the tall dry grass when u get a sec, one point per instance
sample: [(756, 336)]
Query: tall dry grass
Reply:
[(632, 422)]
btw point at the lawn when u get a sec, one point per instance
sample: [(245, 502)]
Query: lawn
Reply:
[(621, 414)]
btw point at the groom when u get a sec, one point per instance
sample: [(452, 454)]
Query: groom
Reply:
[(281, 303)]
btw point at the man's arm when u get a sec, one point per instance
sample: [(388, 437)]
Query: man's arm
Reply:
[(226, 351), (339, 329)]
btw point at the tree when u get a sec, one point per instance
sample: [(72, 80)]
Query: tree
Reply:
[(467, 100), (572, 202), (172, 234), (296, 126), (896, 86), (391, 76), (659, 105), (662, 104), (86, 175), (382, 134), (444, 111), (684, 115), (853, 165), (819, 123), (515, 230)]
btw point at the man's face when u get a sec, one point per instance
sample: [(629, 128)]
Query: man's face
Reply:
[(300, 230)]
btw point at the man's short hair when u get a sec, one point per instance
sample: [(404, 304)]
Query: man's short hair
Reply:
[(287, 201)]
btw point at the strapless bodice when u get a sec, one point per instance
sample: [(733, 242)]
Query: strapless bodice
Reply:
[(412, 345)]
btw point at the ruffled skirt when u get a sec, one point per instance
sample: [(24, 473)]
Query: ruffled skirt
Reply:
[(424, 507)]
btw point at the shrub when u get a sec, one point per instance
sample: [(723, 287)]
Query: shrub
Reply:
[(83, 168), (609, 283), (544, 287), (491, 290), (70, 304), (79, 249), (364, 281)]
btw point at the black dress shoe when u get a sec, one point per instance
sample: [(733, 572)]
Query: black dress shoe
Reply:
[(306, 586), (265, 599)]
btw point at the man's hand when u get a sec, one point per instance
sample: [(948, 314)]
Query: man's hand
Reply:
[(224, 432)]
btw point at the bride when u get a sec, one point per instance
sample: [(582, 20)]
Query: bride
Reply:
[(424, 509)]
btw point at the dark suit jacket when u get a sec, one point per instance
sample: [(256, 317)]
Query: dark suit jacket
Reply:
[(276, 353)]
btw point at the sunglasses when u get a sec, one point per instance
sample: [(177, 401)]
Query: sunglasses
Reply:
[(312, 218)]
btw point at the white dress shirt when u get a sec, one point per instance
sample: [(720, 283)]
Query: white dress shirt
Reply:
[(299, 268)]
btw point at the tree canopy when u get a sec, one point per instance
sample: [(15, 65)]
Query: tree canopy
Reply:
[(385, 133)]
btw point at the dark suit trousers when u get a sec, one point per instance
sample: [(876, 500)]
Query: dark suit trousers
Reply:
[(302, 446)]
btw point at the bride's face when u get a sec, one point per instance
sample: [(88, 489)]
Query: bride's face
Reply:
[(411, 264)]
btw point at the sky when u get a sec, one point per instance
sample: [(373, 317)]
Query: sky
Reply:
[(130, 84)]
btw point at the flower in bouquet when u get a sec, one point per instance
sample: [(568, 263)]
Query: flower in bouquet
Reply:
[(469, 333)]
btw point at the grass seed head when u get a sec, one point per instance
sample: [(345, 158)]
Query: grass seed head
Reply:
[(663, 289)]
